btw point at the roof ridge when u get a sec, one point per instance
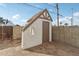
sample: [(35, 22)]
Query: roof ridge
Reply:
[(36, 14), (33, 18)]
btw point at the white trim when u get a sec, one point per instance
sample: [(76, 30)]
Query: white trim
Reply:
[(22, 41), (50, 27), (45, 20), (50, 33)]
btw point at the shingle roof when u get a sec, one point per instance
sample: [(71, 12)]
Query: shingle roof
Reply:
[(30, 21)]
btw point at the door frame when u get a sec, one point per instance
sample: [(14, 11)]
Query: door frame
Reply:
[(43, 31), (50, 30)]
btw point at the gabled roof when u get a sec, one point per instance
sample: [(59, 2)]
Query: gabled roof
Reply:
[(30, 21)]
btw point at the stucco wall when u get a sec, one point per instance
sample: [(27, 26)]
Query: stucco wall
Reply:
[(66, 34), (30, 39), (17, 32)]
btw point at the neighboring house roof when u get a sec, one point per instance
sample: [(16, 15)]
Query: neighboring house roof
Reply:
[(30, 21), (8, 24)]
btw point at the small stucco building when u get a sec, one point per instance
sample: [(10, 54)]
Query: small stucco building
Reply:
[(38, 30)]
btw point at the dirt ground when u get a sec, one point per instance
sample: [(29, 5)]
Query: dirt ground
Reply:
[(9, 43), (13, 48), (57, 49)]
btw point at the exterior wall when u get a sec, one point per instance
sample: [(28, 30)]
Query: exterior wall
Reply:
[(66, 34), (30, 39), (17, 32)]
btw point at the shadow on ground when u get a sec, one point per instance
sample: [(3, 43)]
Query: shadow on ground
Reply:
[(56, 48)]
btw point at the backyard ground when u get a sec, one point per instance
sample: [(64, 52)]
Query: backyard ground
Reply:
[(13, 48)]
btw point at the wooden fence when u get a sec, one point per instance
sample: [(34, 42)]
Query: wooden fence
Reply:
[(6, 32)]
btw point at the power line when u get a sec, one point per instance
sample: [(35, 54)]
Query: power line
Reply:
[(71, 20), (34, 6), (56, 8), (51, 5), (44, 8), (49, 11), (58, 14), (39, 8)]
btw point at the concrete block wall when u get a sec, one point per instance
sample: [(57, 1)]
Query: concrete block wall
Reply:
[(66, 34)]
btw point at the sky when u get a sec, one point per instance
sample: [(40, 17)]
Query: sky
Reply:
[(19, 13)]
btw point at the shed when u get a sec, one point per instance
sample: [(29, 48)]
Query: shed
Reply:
[(38, 30)]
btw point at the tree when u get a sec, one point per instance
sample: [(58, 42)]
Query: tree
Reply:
[(66, 24), (60, 23), (7, 21), (1, 19)]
